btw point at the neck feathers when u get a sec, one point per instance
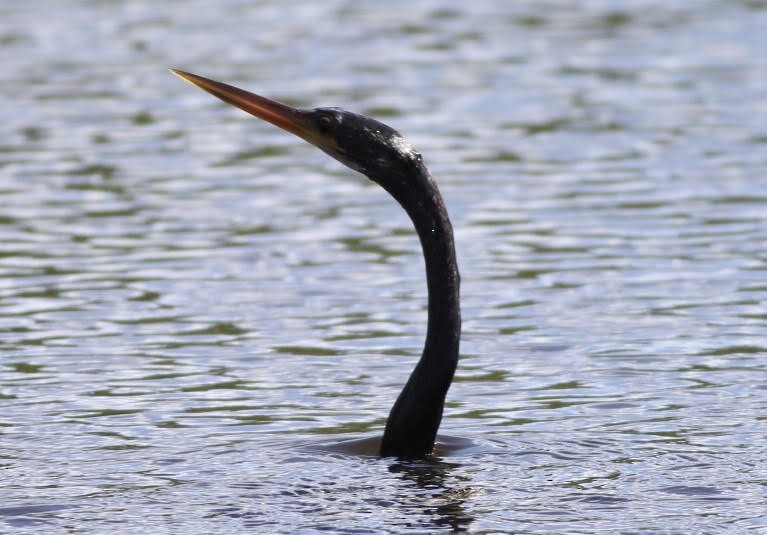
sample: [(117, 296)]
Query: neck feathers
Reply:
[(415, 417)]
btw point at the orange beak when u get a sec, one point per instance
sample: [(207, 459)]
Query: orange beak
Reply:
[(290, 119)]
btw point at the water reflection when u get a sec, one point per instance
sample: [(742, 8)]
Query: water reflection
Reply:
[(437, 493)]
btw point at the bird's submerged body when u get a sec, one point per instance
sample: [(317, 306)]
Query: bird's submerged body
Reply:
[(383, 155)]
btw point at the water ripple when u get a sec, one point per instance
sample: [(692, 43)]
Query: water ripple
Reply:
[(194, 306)]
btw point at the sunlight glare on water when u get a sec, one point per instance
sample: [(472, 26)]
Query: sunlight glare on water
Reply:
[(196, 307)]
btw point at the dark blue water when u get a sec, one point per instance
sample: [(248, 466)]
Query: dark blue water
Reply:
[(195, 306)]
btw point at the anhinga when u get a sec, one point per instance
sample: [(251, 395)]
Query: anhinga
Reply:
[(382, 154)]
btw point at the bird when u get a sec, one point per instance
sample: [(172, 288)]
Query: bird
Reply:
[(379, 152)]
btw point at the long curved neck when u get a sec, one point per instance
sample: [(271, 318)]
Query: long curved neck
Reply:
[(411, 428)]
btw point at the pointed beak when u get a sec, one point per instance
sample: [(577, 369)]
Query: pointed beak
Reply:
[(290, 119)]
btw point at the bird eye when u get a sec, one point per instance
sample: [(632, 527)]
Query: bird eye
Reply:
[(325, 124)]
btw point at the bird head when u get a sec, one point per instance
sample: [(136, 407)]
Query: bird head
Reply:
[(361, 143)]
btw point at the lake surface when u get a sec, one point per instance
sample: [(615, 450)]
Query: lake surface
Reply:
[(194, 305)]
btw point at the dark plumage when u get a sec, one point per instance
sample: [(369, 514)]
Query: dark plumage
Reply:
[(382, 154)]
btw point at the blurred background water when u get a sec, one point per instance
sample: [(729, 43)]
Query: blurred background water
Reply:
[(193, 303)]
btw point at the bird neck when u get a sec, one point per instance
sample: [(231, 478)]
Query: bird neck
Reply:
[(443, 283), (412, 425)]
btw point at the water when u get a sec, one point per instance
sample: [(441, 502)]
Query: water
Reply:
[(194, 305)]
